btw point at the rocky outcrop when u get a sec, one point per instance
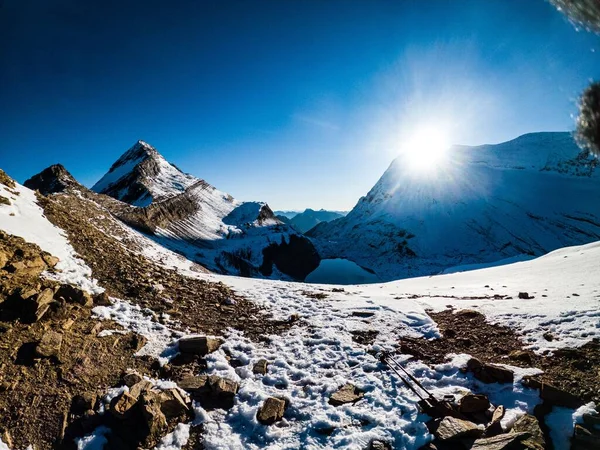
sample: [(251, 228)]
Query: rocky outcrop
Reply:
[(51, 180)]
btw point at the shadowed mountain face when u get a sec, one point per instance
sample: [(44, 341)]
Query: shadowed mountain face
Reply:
[(525, 197), (188, 215), (51, 180)]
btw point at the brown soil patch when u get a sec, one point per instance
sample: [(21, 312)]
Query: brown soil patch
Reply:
[(466, 331)]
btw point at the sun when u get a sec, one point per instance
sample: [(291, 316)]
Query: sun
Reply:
[(426, 149)]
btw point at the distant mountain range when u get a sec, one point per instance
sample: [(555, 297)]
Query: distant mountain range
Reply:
[(309, 218), (528, 196)]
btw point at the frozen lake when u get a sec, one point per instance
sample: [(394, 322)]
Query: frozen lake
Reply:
[(340, 271)]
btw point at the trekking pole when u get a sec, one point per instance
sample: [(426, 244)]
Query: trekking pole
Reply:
[(412, 378), (405, 381)]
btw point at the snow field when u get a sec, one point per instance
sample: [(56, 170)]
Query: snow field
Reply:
[(28, 221)]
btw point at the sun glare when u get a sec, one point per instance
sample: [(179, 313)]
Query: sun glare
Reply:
[(426, 149)]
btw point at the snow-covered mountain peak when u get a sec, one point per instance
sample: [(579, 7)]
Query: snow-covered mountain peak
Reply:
[(142, 175), (527, 196)]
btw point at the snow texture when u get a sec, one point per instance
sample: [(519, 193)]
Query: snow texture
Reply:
[(308, 363)]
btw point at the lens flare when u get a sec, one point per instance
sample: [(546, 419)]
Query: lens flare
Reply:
[(426, 150)]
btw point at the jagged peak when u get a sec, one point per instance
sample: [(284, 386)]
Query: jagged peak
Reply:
[(53, 179), (141, 175)]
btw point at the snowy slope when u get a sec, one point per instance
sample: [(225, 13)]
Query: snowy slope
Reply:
[(141, 175), (310, 362), (523, 197), (24, 218)]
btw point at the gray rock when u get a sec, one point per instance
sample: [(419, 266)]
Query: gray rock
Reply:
[(500, 442), (346, 394), (451, 428)]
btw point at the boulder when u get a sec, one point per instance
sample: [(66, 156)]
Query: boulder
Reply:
[(379, 445), (525, 296), (49, 345), (199, 345), (271, 411), (472, 403), (223, 391), (131, 378), (500, 442), (530, 425), (346, 394), (139, 388), (489, 373), (194, 385), (39, 303), (51, 261), (102, 299), (172, 404), (73, 294), (260, 367), (122, 405), (81, 403), (154, 421), (451, 428), (520, 355), (553, 395), (212, 392)]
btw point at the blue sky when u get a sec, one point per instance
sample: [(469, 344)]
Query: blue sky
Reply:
[(298, 103)]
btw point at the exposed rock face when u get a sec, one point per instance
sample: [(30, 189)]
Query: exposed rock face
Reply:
[(6, 180), (189, 216), (132, 178), (51, 180)]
